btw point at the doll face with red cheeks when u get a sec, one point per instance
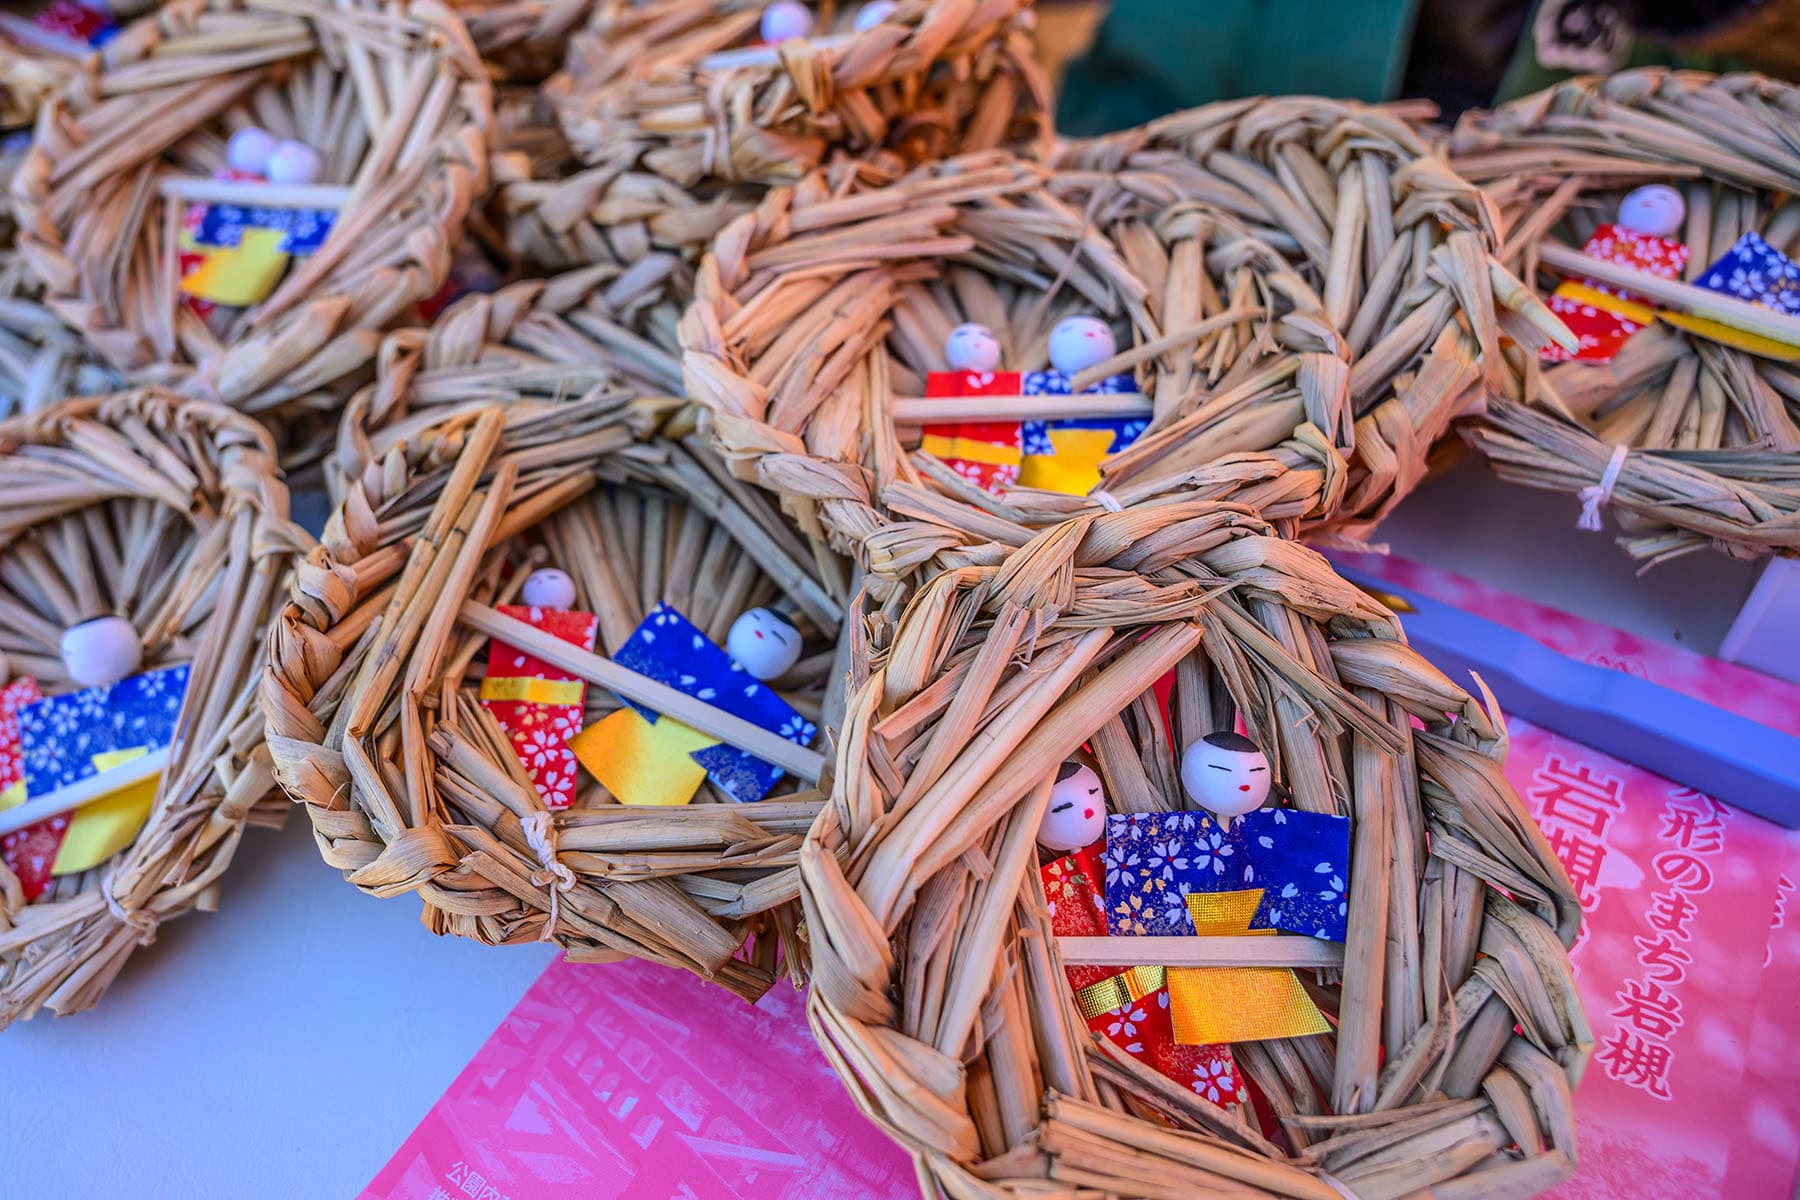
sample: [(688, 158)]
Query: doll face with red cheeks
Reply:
[(1076, 816)]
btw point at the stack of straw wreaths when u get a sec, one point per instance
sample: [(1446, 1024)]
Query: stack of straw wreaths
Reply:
[(935, 77), (598, 331), (411, 784), (1710, 434), (1301, 363), (169, 513), (389, 93), (938, 988)]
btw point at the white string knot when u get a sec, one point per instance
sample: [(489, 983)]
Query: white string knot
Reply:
[(1106, 500), (1596, 497), (140, 920), (540, 835)]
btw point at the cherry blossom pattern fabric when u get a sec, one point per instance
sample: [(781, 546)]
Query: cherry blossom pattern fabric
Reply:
[(540, 729), (29, 852), (1602, 331), (1141, 1027)]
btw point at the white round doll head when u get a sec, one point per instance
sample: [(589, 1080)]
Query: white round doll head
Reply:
[(294, 162), (1226, 774), (250, 149), (872, 14), (764, 643), (1656, 209), (548, 587), (972, 347), (1076, 816), (100, 652), (1079, 342), (786, 19)]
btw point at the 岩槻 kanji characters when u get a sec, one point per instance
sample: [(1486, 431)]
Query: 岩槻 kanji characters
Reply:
[(1662, 959), (1581, 858), (1641, 1063), (1649, 1007), (1576, 794)]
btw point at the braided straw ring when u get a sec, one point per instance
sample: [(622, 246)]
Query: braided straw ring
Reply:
[(937, 986), (168, 513), (412, 784), (1713, 431), (41, 359), (933, 78), (836, 296), (391, 97), (602, 336)]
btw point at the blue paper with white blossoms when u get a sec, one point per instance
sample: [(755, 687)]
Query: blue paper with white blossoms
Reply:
[(306, 229), (1154, 861), (670, 649), (1034, 436), (1755, 271), (60, 735)]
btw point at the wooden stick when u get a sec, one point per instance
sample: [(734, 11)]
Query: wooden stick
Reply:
[(932, 410), (762, 56), (603, 672), (84, 791), (263, 195), (1200, 951), (1726, 310)]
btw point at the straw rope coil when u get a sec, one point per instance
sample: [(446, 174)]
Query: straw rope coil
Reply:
[(1277, 377), (412, 786), (167, 512), (937, 985), (390, 95), (934, 78), (1711, 432)]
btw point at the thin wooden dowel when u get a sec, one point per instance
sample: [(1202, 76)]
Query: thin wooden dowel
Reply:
[(603, 672), (83, 792), (1200, 951), (253, 195), (1726, 310), (932, 410)]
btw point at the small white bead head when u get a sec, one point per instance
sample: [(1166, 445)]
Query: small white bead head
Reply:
[(1080, 342), (294, 163), (1076, 816), (872, 14), (548, 587), (764, 643), (100, 652), (786, 19), (1656, 209), (972, 347), (1226, 774), (249, 150)]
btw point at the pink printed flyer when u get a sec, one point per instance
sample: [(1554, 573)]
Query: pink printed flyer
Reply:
[(638, 1082), (1687, 963)]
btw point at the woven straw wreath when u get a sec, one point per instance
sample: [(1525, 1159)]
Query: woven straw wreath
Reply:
[(1708, 436), (935, 78), (167, 512), (937, 985), (42, 360), (1316, 406), (389, 93), (412, 786)]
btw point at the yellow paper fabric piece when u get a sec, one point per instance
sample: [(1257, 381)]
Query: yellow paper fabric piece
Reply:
[(239, 275), (1237, 1004), (1738, 339), (641, 762), (1074, 469), (537, 691), (1116, 991), (969, 449), (1632, 310), (100, 830), (13, 796)]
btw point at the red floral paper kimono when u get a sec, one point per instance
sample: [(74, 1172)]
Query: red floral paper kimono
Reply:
[(1138, 1024)]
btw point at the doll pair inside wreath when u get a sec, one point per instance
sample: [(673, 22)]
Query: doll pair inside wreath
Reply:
[(641, 756), (1236, 868)]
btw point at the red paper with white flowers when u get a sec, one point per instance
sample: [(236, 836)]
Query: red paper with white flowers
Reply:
[(1142, 1028), (29, 853), (1687, 966), (539, 732), (1603, 333)]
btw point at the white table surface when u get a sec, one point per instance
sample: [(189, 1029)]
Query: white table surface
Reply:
[(286, 1045)]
